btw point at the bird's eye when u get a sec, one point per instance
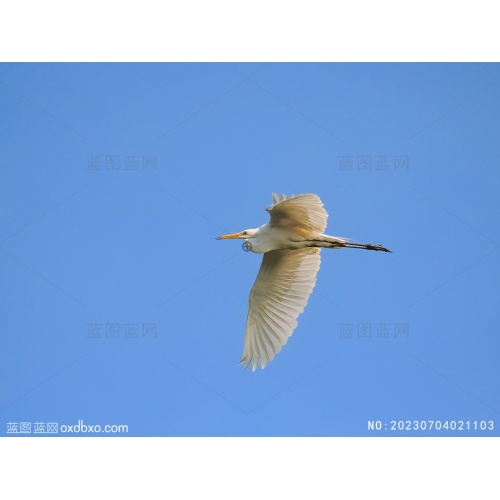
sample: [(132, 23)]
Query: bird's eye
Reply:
[(244, 233)]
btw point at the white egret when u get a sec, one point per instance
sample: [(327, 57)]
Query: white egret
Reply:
[(291, 244)]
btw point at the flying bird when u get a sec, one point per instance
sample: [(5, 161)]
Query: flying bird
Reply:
[(291, 243)]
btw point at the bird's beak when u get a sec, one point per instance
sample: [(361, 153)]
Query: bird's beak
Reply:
[(228, 236)]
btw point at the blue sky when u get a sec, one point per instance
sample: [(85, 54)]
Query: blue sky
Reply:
[(404, 155)]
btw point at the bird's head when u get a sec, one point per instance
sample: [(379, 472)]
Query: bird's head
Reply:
[(247, 233)]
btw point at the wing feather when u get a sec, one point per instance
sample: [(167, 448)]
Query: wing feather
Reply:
[(285, 281), (304, 211)]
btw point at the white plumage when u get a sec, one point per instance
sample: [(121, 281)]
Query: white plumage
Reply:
[(291, 243)]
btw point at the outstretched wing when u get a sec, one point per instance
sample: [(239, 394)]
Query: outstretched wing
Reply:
[(304, 211), (285, 281)]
